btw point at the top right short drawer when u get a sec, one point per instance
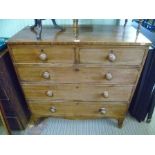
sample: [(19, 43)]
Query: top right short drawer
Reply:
[(112, 56)]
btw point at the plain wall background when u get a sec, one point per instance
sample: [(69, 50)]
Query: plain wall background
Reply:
[(8, 27)]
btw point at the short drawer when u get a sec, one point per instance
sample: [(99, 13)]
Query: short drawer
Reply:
[(77, 92), (112, 56), (108, 75), (78, 109), (43, 54)]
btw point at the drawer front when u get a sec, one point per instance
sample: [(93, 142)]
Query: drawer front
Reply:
[(77, 92), (28, 73), (112, 56), (78, 109), (43, 54)]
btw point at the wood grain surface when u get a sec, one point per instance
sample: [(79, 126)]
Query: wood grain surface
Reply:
[(77, 92), (77, 110), (120, 75), (77, 86)]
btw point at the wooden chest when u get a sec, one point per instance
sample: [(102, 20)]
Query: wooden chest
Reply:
[(93, 78)]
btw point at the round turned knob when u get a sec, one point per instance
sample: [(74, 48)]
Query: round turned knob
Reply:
[(112, 57), (46, 75), (105, 94), (43, 56), (102, 110), (108, 76), (53, 109), (49, 93)]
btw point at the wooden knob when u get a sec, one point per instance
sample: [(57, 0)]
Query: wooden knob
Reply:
[(108, 76), (112, 57), (53, 109), (46, 75), (105, 94), (49, 93), (43, 56), (102, 110)]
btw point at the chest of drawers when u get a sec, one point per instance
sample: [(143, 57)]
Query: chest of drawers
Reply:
[(93, 78)]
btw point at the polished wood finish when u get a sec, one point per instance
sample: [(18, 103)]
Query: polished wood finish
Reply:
[(94, 77), (31, 54), (77, 74), (77, 92), (77, 110), (124, 56), (88, 35)]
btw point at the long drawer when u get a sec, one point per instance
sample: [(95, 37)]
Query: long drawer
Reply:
[(112, 56), (78, 109), (36, 73), (43, 54), (77, 92)]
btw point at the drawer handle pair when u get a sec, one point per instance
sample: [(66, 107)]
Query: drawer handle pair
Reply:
[(46, 75), (43, 56), (53, 109), (111, 57), (105, 94), (103, 110)]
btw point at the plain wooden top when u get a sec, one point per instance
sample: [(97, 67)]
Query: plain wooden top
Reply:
[(116, 35)]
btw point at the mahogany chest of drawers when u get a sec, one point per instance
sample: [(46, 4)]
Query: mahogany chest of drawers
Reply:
[(94, 77)]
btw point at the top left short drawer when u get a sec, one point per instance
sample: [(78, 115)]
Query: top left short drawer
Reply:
[(42, 54)]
